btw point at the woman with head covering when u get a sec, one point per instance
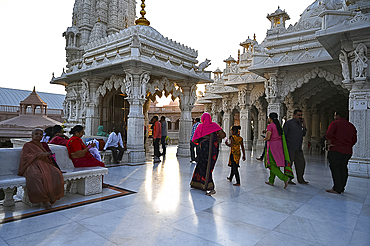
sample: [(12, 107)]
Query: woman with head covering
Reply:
[(44, 181), (101, 132), (276, 153), (207, 135), (57, 137)]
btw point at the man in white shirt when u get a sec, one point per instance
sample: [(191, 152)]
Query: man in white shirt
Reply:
[(115, 144)]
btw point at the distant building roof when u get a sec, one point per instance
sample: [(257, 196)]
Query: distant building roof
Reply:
[(12, 97)]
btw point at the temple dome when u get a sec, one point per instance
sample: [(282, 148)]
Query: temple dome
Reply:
[(313, 11)]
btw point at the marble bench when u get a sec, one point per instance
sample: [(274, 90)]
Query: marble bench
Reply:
[(83, 180)]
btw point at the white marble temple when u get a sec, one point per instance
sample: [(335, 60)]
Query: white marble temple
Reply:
[(165, 211)]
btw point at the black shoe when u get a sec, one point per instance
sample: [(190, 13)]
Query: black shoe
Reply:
[(259, 159), (291, 182)]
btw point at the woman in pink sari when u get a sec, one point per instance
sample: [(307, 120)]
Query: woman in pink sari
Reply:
[(276, 154), (207, 136)]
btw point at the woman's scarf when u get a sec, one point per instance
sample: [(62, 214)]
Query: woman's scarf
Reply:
[(287, 169), (206, 127)]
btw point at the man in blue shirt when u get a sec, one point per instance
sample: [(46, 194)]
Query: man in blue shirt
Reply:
[(294, 130), (193, 145)]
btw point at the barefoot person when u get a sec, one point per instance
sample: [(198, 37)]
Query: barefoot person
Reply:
[(341, 135), (207, 135), (236, 142), (44, 181), (276, 154)]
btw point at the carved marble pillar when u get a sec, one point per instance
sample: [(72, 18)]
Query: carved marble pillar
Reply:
[(226, 122), (359, 111), (246, 130), (135, 80), (91, 105), (262, 125), (214, 113), (245, 116), (323, 124), (308, 120), (315, 136), (146, 108), (226, 116), (187, 100)]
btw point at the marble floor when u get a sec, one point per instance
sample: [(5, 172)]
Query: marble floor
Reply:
[(165, 211)]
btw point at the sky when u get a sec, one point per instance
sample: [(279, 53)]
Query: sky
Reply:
[(32, 45)]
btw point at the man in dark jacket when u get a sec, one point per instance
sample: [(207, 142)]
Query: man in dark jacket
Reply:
[(294, 130), (341, 136)]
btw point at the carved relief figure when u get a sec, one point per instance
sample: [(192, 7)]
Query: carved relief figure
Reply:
[(242, 97), (360, 61), (144, 79), (85, 92), (272, 87), (193, 95), (129, 84), (74, 109), (343, 58)]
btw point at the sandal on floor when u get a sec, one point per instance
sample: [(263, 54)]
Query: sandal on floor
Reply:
[(236, 184)]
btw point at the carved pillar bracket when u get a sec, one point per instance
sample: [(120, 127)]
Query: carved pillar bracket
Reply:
[(187, 100)]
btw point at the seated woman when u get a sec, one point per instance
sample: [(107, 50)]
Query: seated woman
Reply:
[(78, 152), (43, 179), (57, 137)]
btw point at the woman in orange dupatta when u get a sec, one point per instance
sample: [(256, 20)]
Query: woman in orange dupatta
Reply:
[(44, 181)]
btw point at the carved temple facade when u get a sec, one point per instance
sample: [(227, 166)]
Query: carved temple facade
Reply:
[(115, 68), (318, 65)]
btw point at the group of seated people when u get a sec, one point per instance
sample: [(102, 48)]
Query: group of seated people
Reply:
[(44, 179)]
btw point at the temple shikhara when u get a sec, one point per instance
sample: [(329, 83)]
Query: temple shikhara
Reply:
[(117, 65)]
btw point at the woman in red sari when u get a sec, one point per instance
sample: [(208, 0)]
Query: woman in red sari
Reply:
[(44, 181), (78, 152)]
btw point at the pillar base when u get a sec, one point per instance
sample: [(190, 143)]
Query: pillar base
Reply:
[(136, 157), (359, 167), (183, 150), (248, 144)]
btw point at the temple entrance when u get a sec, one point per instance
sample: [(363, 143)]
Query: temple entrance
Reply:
[(115, 109)]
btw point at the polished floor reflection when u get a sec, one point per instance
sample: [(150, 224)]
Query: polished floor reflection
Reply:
[(165, 211)]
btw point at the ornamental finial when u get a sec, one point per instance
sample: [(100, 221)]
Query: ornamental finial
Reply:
[(142, 21)]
